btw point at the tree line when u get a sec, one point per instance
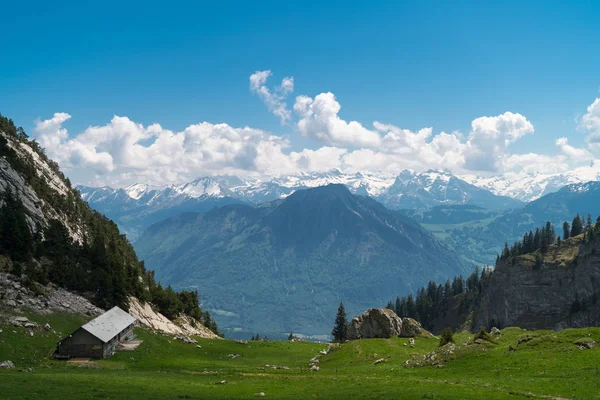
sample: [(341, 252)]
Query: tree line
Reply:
[(544, 237), (431, 300)]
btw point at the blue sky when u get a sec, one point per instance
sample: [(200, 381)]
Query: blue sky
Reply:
[(408, 64)]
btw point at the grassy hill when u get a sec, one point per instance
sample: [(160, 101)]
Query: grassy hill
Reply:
[(541, 364)]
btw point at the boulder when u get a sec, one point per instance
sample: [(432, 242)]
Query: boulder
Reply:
[(11, 303), (7, 364), (375, 323), (495, 331), (410, 328), (47, 327)]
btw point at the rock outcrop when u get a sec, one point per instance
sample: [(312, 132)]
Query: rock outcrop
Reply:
[(382, 323), (156, 321), (560, 292), (45, 300)]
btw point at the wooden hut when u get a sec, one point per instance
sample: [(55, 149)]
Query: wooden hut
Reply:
[(99, 337)]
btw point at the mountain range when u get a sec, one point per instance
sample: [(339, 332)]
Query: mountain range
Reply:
[(284, 265), (137, 206)]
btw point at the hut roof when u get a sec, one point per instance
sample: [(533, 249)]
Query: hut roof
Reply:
[(108, 325)]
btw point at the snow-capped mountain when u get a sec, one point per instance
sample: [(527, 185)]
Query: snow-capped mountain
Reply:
[(529, 187), (432, 188), (139, 205)]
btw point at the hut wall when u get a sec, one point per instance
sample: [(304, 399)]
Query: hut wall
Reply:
[(81, 344)]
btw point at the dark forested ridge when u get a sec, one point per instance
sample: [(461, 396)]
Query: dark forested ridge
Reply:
[(52, 235)]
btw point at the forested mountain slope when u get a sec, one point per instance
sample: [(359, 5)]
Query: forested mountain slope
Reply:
[(49, 234), (283, 266)]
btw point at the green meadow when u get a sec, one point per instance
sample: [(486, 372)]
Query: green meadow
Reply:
[(515, 364)]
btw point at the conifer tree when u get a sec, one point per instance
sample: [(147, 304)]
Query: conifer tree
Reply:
[(577, 226), (566, 230), (340, 328)]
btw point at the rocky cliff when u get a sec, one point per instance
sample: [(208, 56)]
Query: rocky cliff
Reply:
[(557, 290)]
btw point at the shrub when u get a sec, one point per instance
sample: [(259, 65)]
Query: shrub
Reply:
[(446, 337), (483, 335)]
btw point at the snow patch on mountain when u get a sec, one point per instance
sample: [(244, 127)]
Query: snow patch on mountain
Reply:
[(529, 187)]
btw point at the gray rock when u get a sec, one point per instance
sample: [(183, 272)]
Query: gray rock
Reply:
[(315, 368), (30, 325), (495, 331), (375, 323), (411, 328), (11, 303), (7, 364), (47, 327)]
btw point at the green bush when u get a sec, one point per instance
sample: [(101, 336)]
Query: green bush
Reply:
[(446, 337)]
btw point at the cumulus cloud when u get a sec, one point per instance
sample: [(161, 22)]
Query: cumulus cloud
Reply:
[(273, 99), (571, 152), (122, 151), (319, 119), (50, 131), (490, 137), (591, 122)]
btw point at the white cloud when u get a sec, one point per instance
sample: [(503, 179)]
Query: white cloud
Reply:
[(535, 163), (591, 122), (50, 131), (490, 137), (273, 99), (122, 151), (319, 119), (571, 152)]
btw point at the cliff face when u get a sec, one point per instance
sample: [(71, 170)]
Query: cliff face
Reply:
[(558, 292)]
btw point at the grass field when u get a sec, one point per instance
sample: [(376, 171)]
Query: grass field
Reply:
[(545, 364)]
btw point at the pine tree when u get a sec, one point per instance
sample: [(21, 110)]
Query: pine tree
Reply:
[(577, 226), (411, 307), (566, 230), (340, 328), (398, 307)]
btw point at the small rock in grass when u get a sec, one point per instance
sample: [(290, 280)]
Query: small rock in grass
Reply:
[(315, 368), (221, 382), (7, 364), (261, 394), (378, 361)]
